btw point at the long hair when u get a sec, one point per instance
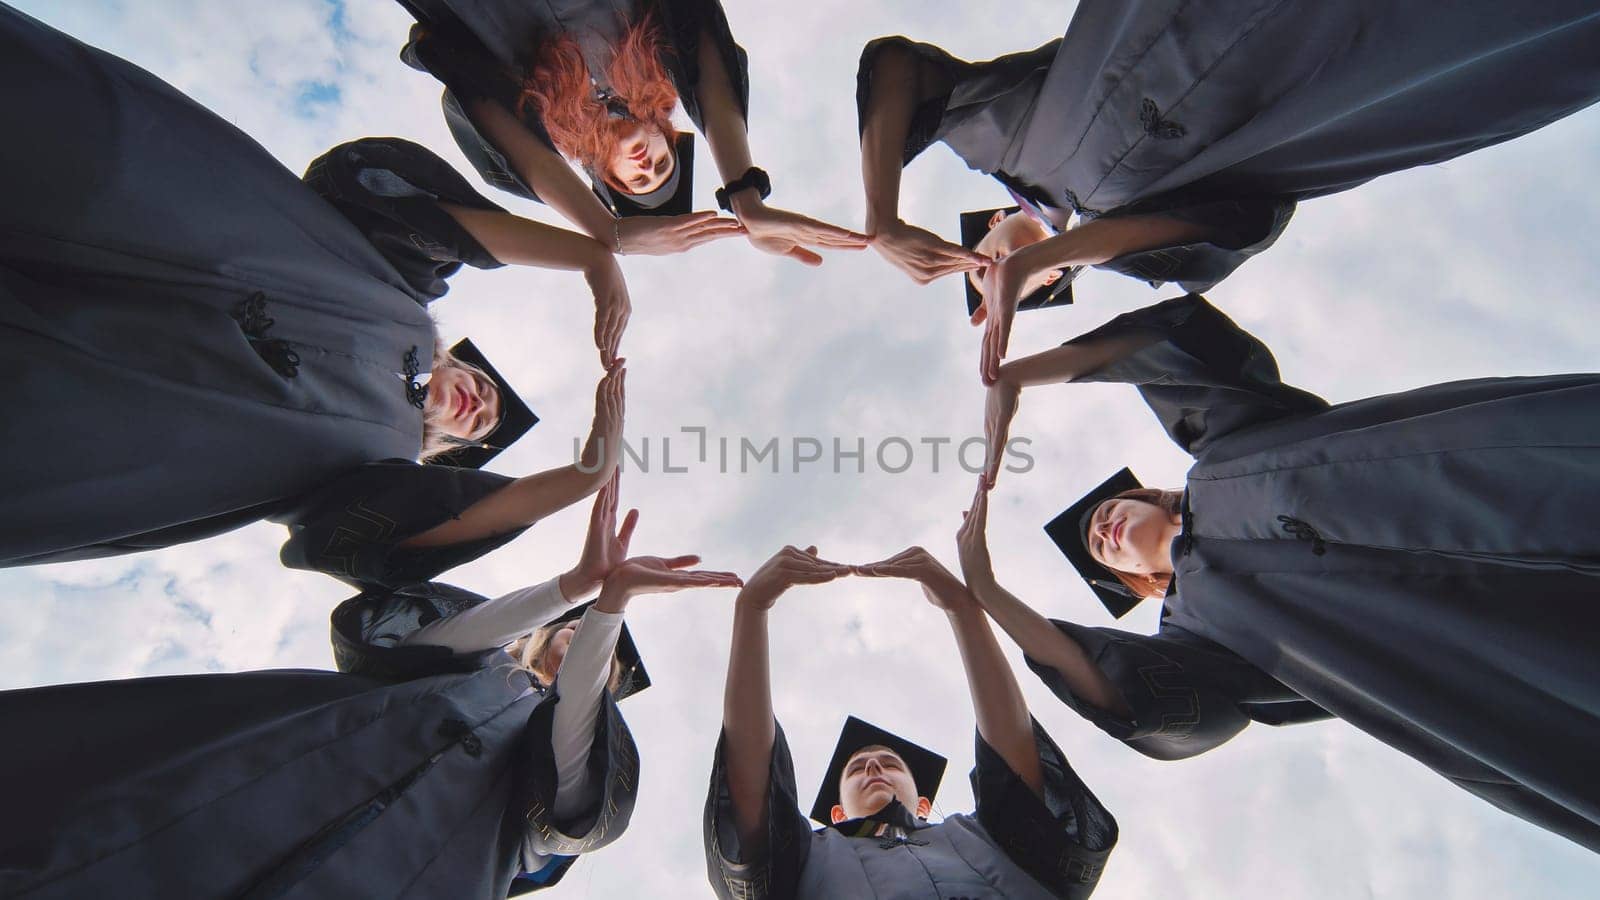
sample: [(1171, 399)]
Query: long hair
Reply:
[(1153, 584), (579, 123), (435, 440), (532, 651)]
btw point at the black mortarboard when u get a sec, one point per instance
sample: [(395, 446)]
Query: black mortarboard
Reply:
[(634, 677), (974, 225), (675, 196), (1070, 530), (515, 416), (926, 766)]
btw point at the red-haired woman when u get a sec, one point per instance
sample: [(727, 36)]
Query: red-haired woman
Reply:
[(1424, 565), (596, 81)]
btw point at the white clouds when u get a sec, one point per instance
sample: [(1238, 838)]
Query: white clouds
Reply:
[(1480, 267)]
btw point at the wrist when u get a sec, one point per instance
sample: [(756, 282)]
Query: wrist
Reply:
[(613, 597), (575, 584), (745, 202)]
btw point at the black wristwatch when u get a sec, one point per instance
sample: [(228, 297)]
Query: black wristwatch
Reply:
[(755, 177)]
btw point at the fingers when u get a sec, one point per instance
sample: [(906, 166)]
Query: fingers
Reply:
[(834, 236), (803, 255), (681, 562), (629, 522)]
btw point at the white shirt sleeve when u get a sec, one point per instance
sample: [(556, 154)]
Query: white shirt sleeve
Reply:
[(584, 672), (494, 623)]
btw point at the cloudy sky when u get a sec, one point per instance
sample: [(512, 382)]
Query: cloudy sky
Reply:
[(1481, 267)]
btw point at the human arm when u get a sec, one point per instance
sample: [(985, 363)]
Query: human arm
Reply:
[(771, 229), (748, 724), (900, 82), (530, 498), (997, 701)]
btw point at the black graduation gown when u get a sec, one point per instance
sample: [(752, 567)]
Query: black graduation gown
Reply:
[(1424, 565), (481, 49), (191, 333), (300, 783), (1226, 113), (1015, 846)]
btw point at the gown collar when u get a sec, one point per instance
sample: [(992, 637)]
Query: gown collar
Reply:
[(893, 814)]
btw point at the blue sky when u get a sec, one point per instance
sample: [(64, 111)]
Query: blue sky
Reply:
[(1481, 267)]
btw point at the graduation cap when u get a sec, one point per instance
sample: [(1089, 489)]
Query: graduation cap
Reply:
[(515, 416), (675, 196), (1070, 531), (974, 225), (634, 678), (926, 767)]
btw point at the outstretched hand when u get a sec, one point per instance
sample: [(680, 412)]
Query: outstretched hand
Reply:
[(999, 408), (605, 546), (612, 307), (1002, 291), (604, 447), (923, 255), (972, 542), (663, 235), (657, 575), (942, 589), (787, 568), (790, 234)]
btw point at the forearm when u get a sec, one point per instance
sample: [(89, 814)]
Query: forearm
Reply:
[(523, 242), (584, 672), (747, 725), (517, 505), (1001, 711), (724, 123), (1045, 643), (543, 169), (1102, 240), (497, 622), (883, 135), (1070, 361)]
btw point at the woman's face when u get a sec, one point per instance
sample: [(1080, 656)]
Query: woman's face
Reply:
[(556, 650), (643, 160), (1131, 536), (1008, 234), (464, 402)]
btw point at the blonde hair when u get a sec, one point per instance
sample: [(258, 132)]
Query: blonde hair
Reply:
[(435, 440), (532, 655)]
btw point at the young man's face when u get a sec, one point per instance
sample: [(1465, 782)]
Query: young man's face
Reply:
[(872, 777)]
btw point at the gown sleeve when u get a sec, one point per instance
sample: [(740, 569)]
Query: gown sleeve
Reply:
[(352, 527), (470, 73), (739, 874), (1238, 228), (975, 108), (391, 189), (370, 633), (685, 23), (1187, 694), (1062, 839), (1202, 375), (612, 779)]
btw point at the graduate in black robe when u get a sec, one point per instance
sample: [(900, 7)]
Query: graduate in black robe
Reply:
[(1038, 832), (430, 765), (1183, 134), (1424, 565), (639, 198), (195, 335)]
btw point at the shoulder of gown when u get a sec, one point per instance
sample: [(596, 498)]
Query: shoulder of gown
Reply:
[(1061, 839), (980, 111), (1203, 376), (391, 189), (1187, 694), (352, 527)]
